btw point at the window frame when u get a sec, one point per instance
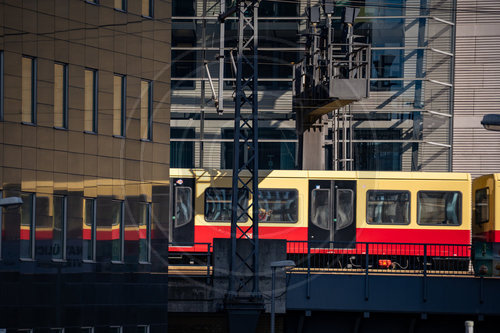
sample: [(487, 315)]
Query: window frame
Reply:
[(32, 196), (386, 223), (297, 207), (148, 234), (33, 91), (222, 221), (93, 229), (149, 120), (487, 205), (436, 224), (121, 233), (123, 105), (2, 87), (95, 99), (65, 88), (149, 15), (64, 222)]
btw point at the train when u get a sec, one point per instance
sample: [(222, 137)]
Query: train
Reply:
[(341, 210)]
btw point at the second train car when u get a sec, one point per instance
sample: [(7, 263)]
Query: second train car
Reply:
[(327, 208)]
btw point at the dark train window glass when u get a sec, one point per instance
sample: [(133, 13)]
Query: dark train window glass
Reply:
[(218, 204), (144, 232), (439, 208), (387, 207), (278, 205), (183, 206), (89, 229), (320, 207), (345, 207), (59, 231), (117, 232), (27, 232), (482, 206)]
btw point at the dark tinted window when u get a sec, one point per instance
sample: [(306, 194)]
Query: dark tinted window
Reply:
[(278, 205), (439, 208), (482, 207), (387, 207), (218, 204)]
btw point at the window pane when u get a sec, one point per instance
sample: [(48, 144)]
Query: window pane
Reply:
[(118, 105), (27, 90), (345, 205), (144, 231), (90, 101), (183, 206), (88, 246), (58, 233), (146, 110), (388, 207), (117, 231), (26, 234), (121, 4), (482, 209), (278, 205), (439, 207), (147, 8), (218, 204), (320, 205), (60, 95)]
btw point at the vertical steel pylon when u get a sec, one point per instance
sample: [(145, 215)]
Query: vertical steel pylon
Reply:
[(245, 170)]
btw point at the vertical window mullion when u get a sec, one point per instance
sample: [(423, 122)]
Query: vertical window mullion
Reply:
[(123, 105), (28, 94), (95, 100), (1, 85), (119, 104), (33, 90), (91, 90)]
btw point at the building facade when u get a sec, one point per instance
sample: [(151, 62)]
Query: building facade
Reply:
[(477, 87), (84, 138), (405, 124)]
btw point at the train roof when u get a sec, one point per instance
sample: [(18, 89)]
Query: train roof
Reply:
[(327, 174)]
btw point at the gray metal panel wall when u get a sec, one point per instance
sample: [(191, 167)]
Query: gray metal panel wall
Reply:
[(477, 86)]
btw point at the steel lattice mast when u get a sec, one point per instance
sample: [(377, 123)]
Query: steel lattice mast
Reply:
[(245, 171)]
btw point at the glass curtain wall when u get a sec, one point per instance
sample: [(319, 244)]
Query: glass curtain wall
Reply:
[(406, 118)]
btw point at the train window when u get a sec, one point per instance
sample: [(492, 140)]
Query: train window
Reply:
[(320, 207), (387, 207), (345, 202), (482, 207), (278, 205), (218, 204), (439, 208), (183, 206)]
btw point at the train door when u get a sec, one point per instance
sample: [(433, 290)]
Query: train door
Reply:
[(332, 213), (182, 222)]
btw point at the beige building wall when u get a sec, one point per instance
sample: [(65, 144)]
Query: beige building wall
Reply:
[(477, 86), (45, 160)]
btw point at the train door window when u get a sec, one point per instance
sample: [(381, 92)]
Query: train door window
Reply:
[(89, 229), (27, 232), (482, 207), (345, 203), (183, 206), (218, 204), (439, 208), (387, 207), (278, 205), (320, 207)]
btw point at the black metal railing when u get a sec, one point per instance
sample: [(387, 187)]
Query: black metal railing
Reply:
[(380, 258)]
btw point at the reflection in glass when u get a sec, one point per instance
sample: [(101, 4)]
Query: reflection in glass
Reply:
[(345, 208), (439, 208), (278, 206), (117, 231), (388, 207), (61, 95), (90, 103), (89, 229), (144, 231), (119, 105), (320, 205), (29, 90), (26, 237), (218, 203), (146, 109), (59, 231), (183, 206)]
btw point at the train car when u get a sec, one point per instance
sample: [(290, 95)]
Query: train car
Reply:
[(330, 209), (486, 224)]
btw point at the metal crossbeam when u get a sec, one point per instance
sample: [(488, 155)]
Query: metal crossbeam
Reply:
[(245, 172)]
